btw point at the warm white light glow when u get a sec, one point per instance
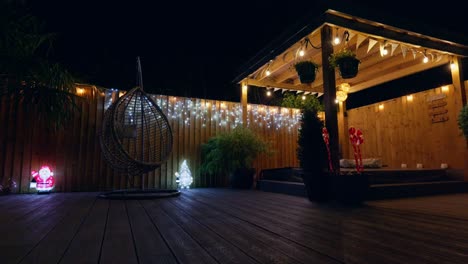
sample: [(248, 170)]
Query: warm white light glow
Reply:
[(244, 88), (268, 93), (426, 59), (381, 106), (341, 96), (80, 91), (268, 72), (453, 65), (303, 97), (345, 87), (336, 101), (409, 98), (301, 53), (385, 51), (336, 41), (445, 88)]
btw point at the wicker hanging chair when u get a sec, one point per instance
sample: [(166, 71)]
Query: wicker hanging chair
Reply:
[(136, 137)]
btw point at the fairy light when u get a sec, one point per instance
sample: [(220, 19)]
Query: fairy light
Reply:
[(409, 98), (189, 111), (301, 53)]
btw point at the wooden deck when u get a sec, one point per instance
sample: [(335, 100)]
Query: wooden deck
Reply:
[(230, 226)]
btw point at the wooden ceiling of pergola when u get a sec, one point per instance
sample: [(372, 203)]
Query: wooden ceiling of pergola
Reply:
[(406, 52)]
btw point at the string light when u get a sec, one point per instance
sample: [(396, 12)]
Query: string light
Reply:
[(425, 59), (452, 64), (223, 114)]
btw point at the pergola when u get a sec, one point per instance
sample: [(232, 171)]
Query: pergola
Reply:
[(368, 39)]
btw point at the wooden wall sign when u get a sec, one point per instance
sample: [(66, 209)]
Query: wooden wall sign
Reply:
[(437, 108)]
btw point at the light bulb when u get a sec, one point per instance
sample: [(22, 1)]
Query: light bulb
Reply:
[(452, 65), (336, 41), (301, 53), (268, 73), (385, 51), (268, 93), (303, 97), (426, 59)]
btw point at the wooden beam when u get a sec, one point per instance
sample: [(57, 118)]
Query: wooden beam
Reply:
[(329, 89), (292, 87), (388, 32), (394, 73)]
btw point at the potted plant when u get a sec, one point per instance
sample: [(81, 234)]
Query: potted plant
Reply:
[(312, 156), (347, 63), (463, 120), (232, 154), (306, 70)]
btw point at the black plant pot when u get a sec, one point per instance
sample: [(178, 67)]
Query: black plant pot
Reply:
[(351, 189), (242, 178), (307, 76), (318, 186), (348, 67)]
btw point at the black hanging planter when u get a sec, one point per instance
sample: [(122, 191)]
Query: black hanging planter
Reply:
[(348, 67), (306, 70)]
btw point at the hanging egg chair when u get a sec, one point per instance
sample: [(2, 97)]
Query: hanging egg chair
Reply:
[(136, 137)]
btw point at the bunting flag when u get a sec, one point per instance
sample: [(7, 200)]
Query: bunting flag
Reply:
[(276, 89), (360, 39), (372, 43), (306, 93), (394, 46), (414, 54), (351, 35), (404, 49)]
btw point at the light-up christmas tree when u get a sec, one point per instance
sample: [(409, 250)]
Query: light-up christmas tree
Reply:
[(184, 176)]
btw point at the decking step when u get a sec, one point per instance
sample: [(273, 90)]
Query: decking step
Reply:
[(376, 191)]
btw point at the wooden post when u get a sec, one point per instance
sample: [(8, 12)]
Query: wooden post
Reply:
[(343, 130), (459, 87), (329, 95), (244, 103)]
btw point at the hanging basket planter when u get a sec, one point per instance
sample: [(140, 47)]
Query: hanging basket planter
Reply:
[(348, 67), (346, 62), (306, 70)]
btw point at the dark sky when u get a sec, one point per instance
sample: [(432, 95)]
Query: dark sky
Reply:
[(188, 48)]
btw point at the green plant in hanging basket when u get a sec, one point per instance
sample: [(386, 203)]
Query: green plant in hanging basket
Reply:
[(346, 62), (306, 70), (463, 120)]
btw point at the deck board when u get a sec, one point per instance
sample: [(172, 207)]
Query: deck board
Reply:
[(231, 226)]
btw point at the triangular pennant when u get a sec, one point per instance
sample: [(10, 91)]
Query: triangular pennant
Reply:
[(298, 92), (360, 39), (404, 49), (284, 90), (381, 49), (306, 93), (275, 89), (394, 46), (414, 54), (372, 43), (351, 35)]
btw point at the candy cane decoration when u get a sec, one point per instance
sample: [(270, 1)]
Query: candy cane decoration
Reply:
[(326, 138), (356, 138)]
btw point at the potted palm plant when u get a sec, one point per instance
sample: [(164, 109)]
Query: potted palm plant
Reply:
[(347, 63), (463, 120), (232, 154), (306, 70)]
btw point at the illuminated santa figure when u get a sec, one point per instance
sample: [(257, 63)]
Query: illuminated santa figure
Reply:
[(45, 180)]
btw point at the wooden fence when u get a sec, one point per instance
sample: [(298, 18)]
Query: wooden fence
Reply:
[(418, 128), (75, 155)]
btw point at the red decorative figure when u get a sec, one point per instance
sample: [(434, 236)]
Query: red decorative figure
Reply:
[(356, 138), (45, 180), (326, 138)]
